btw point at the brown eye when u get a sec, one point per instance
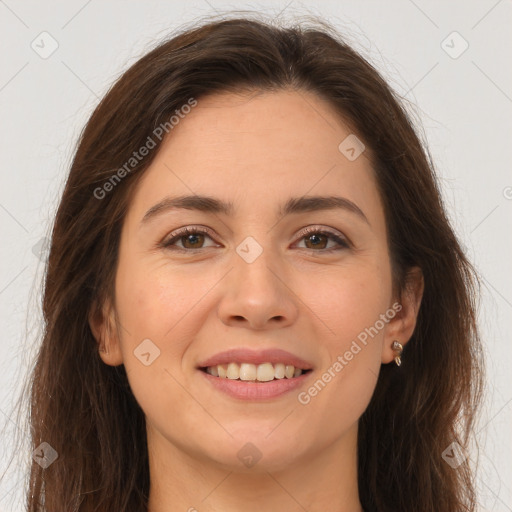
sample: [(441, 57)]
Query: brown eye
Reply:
[(317, 240), (189, 238), (192, 241)]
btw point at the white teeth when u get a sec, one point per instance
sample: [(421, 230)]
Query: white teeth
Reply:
[(247, 372), (279, 370), (213, 370), (222, 370), (250, 372), (289, 371), (265, 372), (233, 371)]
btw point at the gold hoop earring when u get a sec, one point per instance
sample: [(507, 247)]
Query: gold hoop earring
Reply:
[(397, 348)]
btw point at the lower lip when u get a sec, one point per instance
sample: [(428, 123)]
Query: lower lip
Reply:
[(244, 390)]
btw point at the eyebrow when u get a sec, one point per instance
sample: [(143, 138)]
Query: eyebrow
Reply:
[(294, 205)]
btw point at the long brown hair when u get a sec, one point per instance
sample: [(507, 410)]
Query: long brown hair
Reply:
[(85, 409)]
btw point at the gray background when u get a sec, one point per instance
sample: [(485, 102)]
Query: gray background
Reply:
[(464, 105)]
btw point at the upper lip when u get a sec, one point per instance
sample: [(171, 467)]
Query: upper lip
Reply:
[(243, 355)]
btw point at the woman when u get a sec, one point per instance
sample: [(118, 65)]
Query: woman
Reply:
[(254, 299)]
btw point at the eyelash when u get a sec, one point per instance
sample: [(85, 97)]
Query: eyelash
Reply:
[(342, 242)]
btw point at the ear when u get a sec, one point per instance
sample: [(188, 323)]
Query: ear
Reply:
[(103, 327), (401, 326)]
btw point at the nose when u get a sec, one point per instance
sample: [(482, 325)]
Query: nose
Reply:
[(258, 295)]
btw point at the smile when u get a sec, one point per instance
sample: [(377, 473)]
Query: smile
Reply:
[(249, 372)]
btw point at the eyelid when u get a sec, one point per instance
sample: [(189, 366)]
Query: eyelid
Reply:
[(338, 237), (341, 239), (182, 232)]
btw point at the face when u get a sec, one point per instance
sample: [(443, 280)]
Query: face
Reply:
[(309, 278)]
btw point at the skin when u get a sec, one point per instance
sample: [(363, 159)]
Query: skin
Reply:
[(256, 151)]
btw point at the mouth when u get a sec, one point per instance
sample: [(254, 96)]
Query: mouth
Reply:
[(249, 372), (255, 375)]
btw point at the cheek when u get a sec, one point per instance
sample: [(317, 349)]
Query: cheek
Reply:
[(152, 306), (353, 301), (153, 302), (152, 310), (352, 311)]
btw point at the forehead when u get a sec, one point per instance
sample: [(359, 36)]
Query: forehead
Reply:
[(258, 149)]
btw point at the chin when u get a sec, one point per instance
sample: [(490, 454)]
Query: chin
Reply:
[(254, 451)]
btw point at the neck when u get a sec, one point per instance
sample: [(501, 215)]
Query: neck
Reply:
[(324, 481)]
